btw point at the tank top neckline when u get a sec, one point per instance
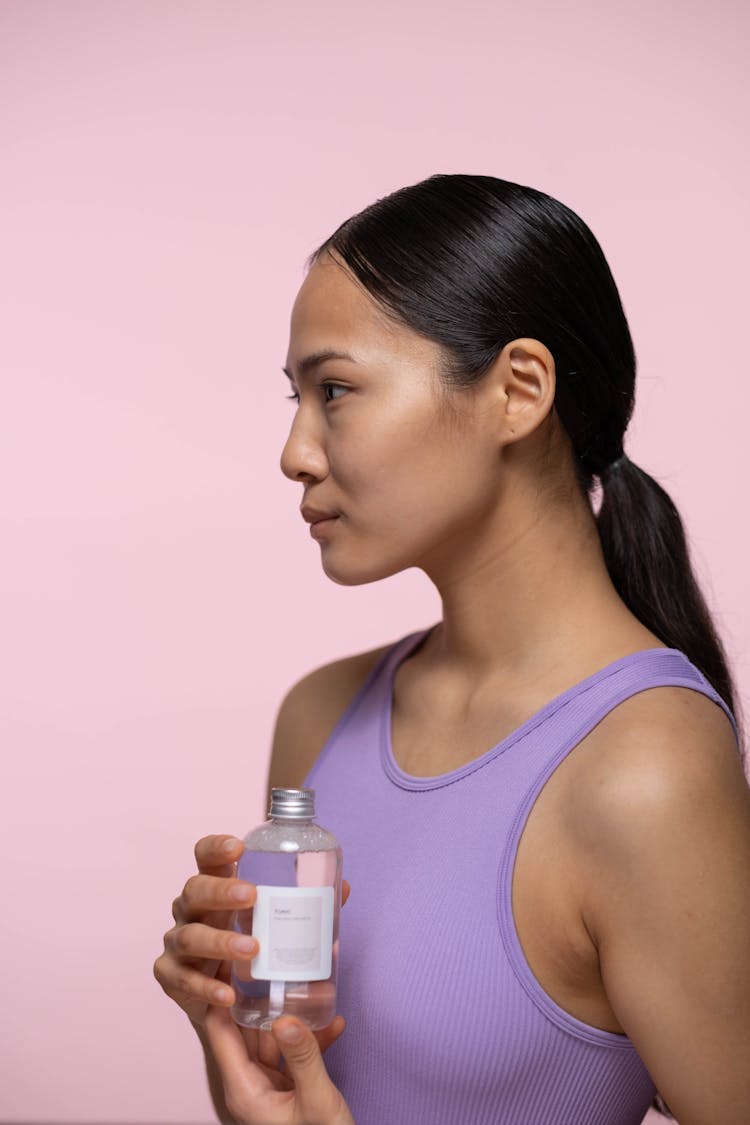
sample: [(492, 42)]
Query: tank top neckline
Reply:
[(404, 647)]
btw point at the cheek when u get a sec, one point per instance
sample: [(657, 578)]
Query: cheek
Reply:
[(411, 455), (410, 475), (416, 496)]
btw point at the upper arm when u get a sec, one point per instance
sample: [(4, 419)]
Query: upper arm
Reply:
[(665, 835), (308, 713)]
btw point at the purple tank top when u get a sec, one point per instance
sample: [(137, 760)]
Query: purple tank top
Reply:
[(446, 1023)]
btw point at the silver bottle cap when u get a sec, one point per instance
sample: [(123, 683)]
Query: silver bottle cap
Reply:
[(294, 804)]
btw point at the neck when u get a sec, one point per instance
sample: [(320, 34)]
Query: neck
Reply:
[(521, 603)]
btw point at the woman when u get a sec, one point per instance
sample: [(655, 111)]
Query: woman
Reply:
[(540, 799)]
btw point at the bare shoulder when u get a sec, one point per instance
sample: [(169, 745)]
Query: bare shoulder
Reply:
[(666, 753), (661, 814), (310, 710)]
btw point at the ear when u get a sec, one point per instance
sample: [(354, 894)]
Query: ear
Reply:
[(526, 379)]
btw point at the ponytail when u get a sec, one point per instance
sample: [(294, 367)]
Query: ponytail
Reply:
[(647, 556)]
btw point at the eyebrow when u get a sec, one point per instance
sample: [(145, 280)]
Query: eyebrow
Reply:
[(316, 358)]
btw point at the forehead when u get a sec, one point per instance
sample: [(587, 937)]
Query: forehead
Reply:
[(332, 307), (334, 310)]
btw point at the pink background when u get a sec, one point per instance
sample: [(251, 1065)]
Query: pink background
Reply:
[(166, 169)]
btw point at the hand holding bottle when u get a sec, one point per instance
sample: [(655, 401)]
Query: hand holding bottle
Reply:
[(198, 949), (257, 1091), (197, 955)]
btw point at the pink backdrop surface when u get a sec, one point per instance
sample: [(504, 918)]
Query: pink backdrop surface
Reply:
[(167, 166)]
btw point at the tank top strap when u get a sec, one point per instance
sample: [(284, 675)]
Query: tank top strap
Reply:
[(582, 706), (580, 711), (378, 684), (365, 709), (596, 696), (567, 720)]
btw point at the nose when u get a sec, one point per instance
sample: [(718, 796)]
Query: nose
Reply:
[(303, 456)]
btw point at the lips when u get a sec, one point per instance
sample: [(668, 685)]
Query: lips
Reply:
[(315, 515)]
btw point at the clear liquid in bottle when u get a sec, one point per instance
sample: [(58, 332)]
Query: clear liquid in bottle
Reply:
[(296, 868)]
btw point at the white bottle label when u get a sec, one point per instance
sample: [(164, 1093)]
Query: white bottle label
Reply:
[(294, 928)]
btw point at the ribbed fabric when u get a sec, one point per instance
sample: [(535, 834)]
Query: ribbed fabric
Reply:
[(446, 1023)]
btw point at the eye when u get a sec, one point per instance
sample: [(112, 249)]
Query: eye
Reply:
[(330, 386), (324, 386)]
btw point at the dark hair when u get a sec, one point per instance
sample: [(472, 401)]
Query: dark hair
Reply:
[(473, 262)]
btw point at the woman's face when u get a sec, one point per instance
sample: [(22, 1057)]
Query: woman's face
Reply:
[(373, 441)]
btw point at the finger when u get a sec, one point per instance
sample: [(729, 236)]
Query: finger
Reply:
[(176, 978), (224, 972), (328, 1035), (242, 1077), (197, 940), (213, 852), (251, 1035), (204, 893), (268, 1049), (346, 890)]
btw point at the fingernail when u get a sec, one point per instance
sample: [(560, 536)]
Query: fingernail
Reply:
[(241, 893), (291, 1033), (242, 944), (229, 846)]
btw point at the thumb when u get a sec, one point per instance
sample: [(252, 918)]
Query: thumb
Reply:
[(299, 1046), (316, 1095)]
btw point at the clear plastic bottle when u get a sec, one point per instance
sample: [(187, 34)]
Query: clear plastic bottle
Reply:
[(296, 867)]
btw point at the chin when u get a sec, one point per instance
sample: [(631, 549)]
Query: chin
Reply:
[(353, 574)]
